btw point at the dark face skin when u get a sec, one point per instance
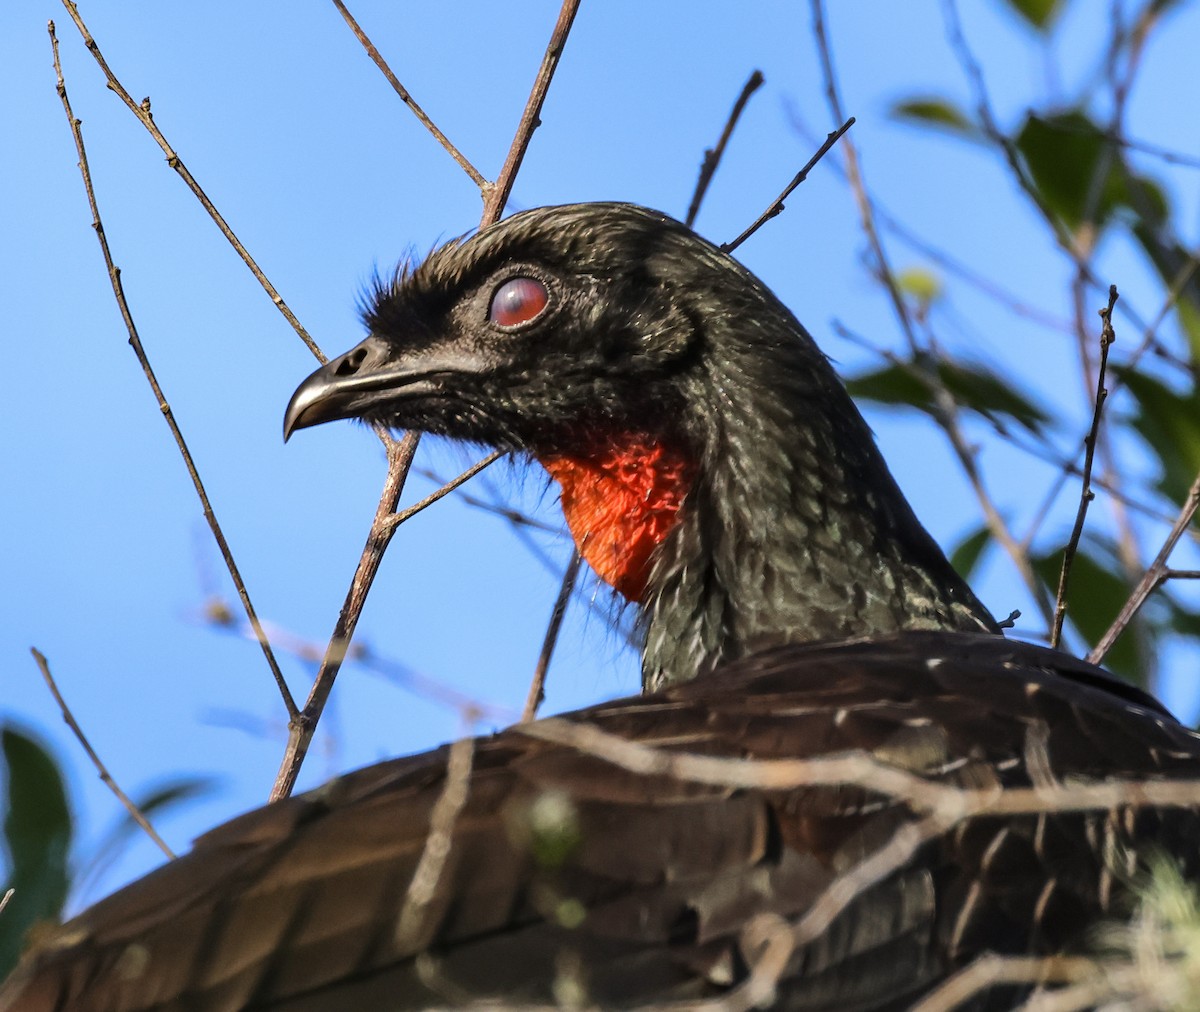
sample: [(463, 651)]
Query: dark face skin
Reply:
[(520, 340)]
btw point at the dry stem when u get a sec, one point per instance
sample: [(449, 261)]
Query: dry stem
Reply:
[(69, 718), (135, 342), (712, 157), (1086, 495)]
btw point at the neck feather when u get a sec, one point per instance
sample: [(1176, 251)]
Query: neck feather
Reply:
[(794, 529)]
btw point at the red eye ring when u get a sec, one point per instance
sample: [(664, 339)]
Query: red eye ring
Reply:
[(518, 300)]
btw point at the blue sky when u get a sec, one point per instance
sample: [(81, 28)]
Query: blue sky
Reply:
[(326, 177)]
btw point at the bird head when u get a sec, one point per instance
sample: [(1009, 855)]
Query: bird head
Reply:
[(556, 329)]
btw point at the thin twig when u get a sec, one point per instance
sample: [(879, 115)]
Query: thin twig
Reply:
[(400, 456), (477, 177), (712, 157), (497, 196), (856, 768), (142, 111), (777, 205), (414, 927), (946, 413), (133, 810), (1153, 576), (505, 512), (410, 511), (1179, 283), (8, 895), (114, 276), (1086, 495), (987, 121), (537, 688), (858, 185), (470, 709), (990, 970), (951, 264), (303, 725)]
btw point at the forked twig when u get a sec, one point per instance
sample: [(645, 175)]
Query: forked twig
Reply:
[(303, 725), (777, 205), (1086, 495), (712, 157), (497, 196), (400, 455), (69, 718), (1152, 578), (135, 342), (937, 807), (399, 517)]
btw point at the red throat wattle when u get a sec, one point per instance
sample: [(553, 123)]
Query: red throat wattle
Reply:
[(620, 503)]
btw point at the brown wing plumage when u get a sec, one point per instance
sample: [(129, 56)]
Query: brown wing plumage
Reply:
[(570, 878)]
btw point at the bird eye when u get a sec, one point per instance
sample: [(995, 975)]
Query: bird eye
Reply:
[(517, 301)]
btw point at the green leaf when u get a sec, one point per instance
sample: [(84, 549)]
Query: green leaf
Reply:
[(972, 386), (1184, 620), (1173, 261), (1095, 594), (37, 836), (967, 554), (1063, 153), (1038, 13), (1188, 313), (1169, 422), (1079, 172), (937, 113)]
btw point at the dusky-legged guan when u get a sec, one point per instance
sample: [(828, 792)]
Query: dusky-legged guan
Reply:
[(715, 472)]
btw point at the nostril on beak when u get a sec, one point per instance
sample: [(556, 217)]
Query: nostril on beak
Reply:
[(352, 362)]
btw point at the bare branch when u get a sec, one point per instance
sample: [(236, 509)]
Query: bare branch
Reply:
[(135, 342), (951, 264), (414, 926), (990, 970), (497, 196), (1086, 495), (537, 688), (947, 408), (303, 725), (987, 121), (402, 515), (712, 157), (1153, 576), (400, 455), (470, 709), (69, 718), (476, 176), (142, 111), (776, 206)]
